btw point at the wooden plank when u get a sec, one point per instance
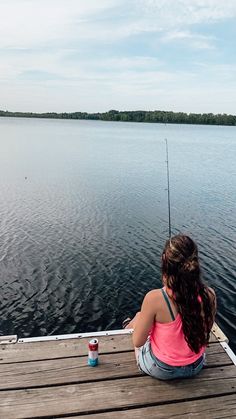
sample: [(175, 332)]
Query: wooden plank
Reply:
[(22, 352), (219, 334), (59, 349), (67, 370), (75, 370), (212, 338), (221, 358), (8, 339), (212, 408), (114, 394)]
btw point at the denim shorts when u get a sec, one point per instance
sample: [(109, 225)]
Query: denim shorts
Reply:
[(149, 364)]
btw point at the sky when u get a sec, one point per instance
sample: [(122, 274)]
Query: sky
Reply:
[(97, 55)]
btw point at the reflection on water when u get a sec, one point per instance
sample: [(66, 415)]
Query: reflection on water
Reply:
[(83, 219)]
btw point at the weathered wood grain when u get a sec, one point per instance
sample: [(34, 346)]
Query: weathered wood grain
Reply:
[(114, 394), (75, 370), (67, 370), (216, 407), (22, 352), (218, 333), (61, 348)]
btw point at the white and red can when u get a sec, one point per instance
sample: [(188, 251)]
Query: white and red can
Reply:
[(93, 352)]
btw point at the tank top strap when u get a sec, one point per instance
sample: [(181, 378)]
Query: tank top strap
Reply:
[(168, 303)]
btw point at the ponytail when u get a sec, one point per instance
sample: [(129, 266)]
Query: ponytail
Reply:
[(180, 267)]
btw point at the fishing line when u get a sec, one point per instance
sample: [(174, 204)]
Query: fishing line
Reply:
[(168, 186)]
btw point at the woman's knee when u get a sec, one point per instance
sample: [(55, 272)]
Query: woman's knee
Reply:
[(132, 323)]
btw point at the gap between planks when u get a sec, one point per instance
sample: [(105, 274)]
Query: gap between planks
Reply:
[(112, 395), (75, 370), (26, 352), (208, 408)]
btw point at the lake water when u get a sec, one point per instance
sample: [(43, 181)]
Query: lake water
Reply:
[(83, 219)]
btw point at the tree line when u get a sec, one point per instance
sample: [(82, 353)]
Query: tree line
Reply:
[(166, 117)]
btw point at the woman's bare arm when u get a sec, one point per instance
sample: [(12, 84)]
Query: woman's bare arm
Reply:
[(145, 320)]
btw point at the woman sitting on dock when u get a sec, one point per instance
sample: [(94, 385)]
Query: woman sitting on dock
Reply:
[(172, 329)]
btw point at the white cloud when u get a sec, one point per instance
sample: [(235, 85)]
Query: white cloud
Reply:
[(177, 91), (178, 12), (124, 63), (31, 23), (68, 55), (193, 40), (27, 23)]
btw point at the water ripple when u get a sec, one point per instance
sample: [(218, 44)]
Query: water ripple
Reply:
[(81, 238)]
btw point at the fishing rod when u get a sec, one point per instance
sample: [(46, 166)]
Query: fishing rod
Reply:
[(168, 185)]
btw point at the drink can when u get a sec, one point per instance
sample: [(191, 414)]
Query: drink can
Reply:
[(93, 353)]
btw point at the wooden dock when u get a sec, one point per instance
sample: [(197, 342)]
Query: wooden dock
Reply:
[(51, 379)]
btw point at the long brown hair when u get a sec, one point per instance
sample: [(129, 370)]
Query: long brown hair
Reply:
[(181, 273)]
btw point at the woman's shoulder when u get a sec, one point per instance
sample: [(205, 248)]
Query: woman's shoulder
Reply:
[(153, 295)]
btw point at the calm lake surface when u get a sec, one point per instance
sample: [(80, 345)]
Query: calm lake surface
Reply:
[(83, 219)]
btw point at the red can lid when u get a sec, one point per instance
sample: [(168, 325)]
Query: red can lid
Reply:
[(93, 345)]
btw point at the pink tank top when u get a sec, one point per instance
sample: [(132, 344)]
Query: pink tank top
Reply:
[(169, 345)]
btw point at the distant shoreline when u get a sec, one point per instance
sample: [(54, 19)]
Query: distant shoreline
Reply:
[(165, 117)]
